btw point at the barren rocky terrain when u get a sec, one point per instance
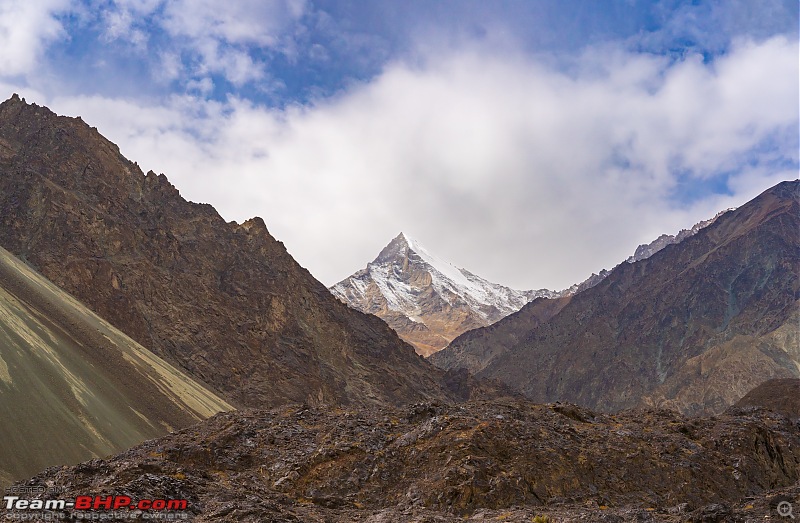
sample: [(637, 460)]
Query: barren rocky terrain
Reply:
[(490, 461), (782, 395)]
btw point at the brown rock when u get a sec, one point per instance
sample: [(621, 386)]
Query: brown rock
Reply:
[(779, 395)]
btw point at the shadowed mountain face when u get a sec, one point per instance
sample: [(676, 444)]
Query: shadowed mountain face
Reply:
[(224, 301), (476, 349), (72, 387), (694, 327)]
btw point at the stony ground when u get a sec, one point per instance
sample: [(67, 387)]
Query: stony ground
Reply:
[(481, 461)]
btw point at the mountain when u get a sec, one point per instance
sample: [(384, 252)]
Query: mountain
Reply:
[(477, 349), (479, 461), (427, 300), (693, 327), (221, 300), (72, 387)]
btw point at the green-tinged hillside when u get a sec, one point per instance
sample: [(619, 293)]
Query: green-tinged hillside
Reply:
[(72, 387)]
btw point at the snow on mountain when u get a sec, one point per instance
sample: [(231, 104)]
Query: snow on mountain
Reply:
[(427, 300)]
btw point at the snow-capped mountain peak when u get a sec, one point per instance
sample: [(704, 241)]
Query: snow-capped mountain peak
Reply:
[(428, 300)]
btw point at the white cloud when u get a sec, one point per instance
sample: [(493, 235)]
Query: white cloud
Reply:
[(120, 25), (519, 172), (26, 28), (204, 37), (204, 86), (223, 39), (260, 22), (168, 66), (235, 64)]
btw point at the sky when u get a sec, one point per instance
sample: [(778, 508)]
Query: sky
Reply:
[(531, 142)]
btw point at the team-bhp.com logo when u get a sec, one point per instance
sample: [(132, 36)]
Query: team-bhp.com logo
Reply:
[(94, 503), (19, 507)]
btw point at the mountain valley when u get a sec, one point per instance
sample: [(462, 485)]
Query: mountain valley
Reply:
[(660, 390), (223, 301), (429, 302)]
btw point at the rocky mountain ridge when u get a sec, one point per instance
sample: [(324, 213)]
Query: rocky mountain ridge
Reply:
[(693, 327), (223, 301), (643, 252), (429, 301)]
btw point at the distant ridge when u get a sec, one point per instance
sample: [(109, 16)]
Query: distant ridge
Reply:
[(429, 301), (643, 252)]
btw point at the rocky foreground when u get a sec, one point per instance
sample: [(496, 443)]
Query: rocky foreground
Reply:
[(511, 461)]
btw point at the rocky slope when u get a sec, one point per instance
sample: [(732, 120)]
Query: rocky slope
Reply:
[(477, 349), (426, 300), (479, 461), (780, 395), (644, 251), (224, 301), (72, 387), (693, 327)]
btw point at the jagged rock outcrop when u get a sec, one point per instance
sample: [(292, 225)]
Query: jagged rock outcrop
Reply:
[(693, 327), (644, 251), (479, 461), (224, 301), (426, 300), (72, 387)]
